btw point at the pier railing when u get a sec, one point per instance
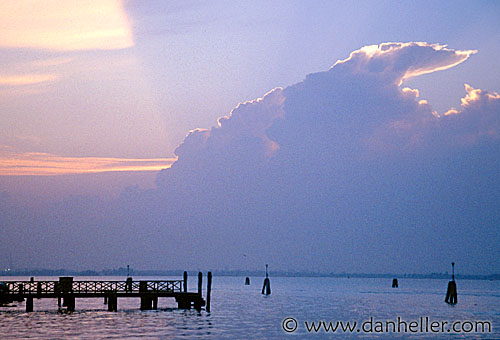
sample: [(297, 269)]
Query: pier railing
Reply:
[(55, 287)]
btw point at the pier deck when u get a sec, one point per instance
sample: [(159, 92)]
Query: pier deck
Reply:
[(68, 290)]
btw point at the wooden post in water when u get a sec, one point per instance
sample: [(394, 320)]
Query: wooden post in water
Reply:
[(394, 283), (209, 290), (247, 281), (266, 288), (200, 279), (185, 282), (451, 292)]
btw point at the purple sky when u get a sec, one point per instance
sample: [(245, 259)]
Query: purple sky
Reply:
[(383, 162)]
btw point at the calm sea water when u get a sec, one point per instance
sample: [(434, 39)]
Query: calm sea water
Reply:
[(241, 312)]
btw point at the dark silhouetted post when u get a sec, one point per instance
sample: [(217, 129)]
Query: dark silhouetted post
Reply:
[(209, 289), (247, 281), (185, 282), (200, 279), (451, 292), (394, 283), (266, 288)]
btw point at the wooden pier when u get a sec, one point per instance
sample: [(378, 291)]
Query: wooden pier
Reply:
[(67, 291)]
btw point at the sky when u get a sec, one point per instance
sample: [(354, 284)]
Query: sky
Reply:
[(330, 136)]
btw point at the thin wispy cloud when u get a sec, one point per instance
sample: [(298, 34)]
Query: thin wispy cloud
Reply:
[(43, 164), (26, 79)]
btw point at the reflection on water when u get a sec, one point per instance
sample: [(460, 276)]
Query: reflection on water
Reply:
[(240, 311)]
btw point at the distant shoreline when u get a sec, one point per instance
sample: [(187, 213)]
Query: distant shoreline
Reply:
[(135, 272)]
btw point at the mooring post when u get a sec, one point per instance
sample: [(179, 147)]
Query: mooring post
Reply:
[(247, 281), (200, 279), (394, 283), (451, 292), (185, 282), (209, 289), (266, 288)]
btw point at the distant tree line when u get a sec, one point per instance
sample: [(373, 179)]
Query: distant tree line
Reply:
[(259, 273)]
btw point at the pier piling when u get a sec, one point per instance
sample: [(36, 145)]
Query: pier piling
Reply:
[(209, 290), (29, 304), (112, 303), (185, 282), (69, 302), (145, 299), (200, 280)]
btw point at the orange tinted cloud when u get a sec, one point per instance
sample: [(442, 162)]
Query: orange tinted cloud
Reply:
[(64, 25), (33, 163), (26, 79)]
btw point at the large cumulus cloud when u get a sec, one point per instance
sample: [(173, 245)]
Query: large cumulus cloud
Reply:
[(348, 159)]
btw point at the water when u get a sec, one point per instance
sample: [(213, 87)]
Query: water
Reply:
[(241, 312)]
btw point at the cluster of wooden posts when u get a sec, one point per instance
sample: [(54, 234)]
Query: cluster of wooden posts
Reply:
[(451, 293)]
